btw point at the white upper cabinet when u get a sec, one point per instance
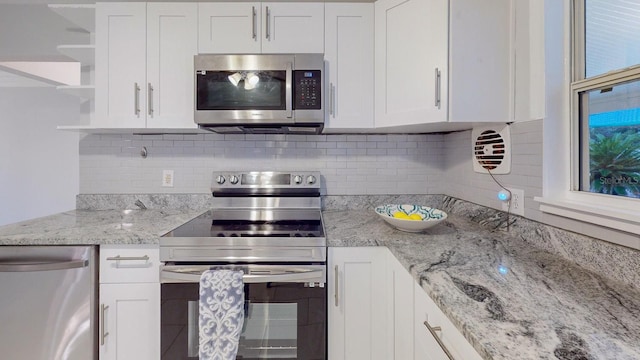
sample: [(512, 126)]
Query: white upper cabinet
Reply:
[(120, 65), (293, 28), (411, 50), (171, 44), (245, 28), (144, 65), (443, 61), (348, 53), (229, 28)]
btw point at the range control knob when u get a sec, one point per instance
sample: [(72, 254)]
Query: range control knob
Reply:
[(297, 179), (233, 179), (220, 179), (311, 179)]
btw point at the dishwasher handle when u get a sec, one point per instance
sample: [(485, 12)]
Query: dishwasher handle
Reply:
[(43, 265)]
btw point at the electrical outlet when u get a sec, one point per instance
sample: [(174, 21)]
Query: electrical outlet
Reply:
[(517, 202), (167, 178)]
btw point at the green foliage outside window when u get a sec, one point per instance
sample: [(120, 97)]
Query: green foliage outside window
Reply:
[(614, 161)]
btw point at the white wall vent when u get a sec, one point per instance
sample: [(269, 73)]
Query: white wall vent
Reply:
[(492, 149)]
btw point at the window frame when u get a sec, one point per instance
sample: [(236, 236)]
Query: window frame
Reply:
[(561, 194)]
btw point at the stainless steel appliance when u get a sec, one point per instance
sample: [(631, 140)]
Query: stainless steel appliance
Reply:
[(48, 302), (276, 93), (269, 224)]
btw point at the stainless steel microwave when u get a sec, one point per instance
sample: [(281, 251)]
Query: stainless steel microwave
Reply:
[(278, 93)]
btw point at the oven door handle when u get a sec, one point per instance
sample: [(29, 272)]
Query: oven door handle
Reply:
[(193, 274)]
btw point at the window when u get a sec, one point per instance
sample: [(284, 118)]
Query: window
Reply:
[(591, 105), (605, 92)]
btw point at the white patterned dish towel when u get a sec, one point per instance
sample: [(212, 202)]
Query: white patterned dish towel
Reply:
[(221, 313)]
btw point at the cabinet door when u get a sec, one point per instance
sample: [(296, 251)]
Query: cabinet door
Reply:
[(172, 35), (411, 61), (480, 79), (229, 28), (129, 321), (401, 319), (293, 28), (425, 345), (120, 65), (357, 320), (349, 65)]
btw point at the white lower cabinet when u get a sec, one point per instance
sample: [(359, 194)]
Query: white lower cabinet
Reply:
[(129, 303), (377, 310), (400, 296), (426, 346), (130, 321), (357, 303)]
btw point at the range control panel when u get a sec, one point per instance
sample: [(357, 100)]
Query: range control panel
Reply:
[(250, 181), (307, 89)]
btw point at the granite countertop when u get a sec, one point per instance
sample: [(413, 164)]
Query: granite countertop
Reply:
[(510, 299), (95, 227)]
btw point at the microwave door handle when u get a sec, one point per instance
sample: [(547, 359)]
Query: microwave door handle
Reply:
[(289, 91)]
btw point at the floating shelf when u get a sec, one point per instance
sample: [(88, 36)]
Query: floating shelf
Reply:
[(85, 92), (82, 15), (85, 54)]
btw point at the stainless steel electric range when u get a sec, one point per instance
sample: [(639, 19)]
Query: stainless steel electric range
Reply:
[(269, 224)]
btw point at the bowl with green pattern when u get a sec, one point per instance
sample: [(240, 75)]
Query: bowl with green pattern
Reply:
[(410, 217)]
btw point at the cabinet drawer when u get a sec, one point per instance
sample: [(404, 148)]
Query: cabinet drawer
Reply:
[(129, 264)]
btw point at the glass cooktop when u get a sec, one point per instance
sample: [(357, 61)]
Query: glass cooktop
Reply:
[(252, 223)]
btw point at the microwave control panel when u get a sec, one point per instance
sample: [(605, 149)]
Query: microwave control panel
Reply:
[(307, 89)]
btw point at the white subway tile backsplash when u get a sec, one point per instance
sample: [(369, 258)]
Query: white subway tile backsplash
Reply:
[(350, 164), (353, 164)]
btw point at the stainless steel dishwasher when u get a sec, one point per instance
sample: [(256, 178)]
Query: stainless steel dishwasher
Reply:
[(48, 302)]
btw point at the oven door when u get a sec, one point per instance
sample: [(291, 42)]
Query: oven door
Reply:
[(285, 311)]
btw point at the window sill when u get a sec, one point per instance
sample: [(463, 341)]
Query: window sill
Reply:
[(608, 216)]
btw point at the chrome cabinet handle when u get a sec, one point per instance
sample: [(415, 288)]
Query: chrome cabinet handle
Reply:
[(253, 23), (433, 330), (103, 333), (335, 284), (128, 258), (288, 90), (150, 98), (136, 102), (44, 265), (332, 97), (268, 28), (438, 87)]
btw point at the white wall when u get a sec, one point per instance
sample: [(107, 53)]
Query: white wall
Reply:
[(32, 32), (38, 164), (350, 164)]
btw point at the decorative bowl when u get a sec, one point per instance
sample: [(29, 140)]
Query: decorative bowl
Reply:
[(428, 216)]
